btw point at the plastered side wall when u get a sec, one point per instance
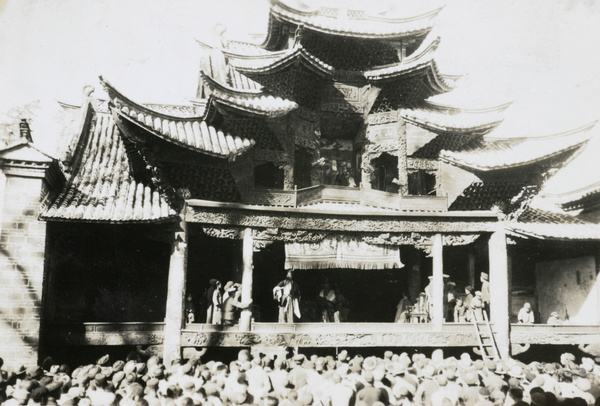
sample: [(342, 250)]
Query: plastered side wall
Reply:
[(22, 242), (570, 287)]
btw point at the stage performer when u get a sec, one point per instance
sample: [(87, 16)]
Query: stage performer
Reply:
[(287, 295)]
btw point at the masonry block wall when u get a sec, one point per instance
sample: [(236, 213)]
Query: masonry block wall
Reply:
[(22, 242)]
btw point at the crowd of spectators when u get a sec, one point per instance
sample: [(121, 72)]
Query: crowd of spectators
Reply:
[(294, 379)]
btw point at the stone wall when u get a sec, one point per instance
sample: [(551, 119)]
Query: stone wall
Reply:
[(22, 242)]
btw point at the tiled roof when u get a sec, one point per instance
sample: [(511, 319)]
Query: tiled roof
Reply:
[(439, 119), (420, 58), (252, 101), (556, 231), (492, 154), (535, 223), (256, 64), (586, 197), (505, 196), (240, 81), (176, 110), (444, 141), (101, 188), (350, 20), (537, 216), (189, 132)]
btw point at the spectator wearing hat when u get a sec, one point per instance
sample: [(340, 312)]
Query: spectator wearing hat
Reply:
[(369, 394), (340, 393), (427, 387), (279, 376), (485, 291), (470, 391), (525, 315)]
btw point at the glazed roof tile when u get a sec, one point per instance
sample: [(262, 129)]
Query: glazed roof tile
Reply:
[(189, 132), (538, 216), (421, 58), (450, 120), (585, 197), (101, 188), (350, 19), (492, 154), (505, 196), (252, 101), (255, 64), (542, 224), (556, 231)]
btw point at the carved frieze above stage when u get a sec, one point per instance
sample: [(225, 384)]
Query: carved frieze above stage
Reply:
[(298, 219)]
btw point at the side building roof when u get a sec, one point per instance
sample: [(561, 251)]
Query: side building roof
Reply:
[(101, 187)]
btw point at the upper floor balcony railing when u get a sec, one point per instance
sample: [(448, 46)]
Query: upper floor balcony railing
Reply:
[(344, 194)]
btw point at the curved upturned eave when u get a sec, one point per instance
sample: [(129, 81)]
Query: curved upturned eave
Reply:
[(213, 134), (366, 26), (284, 59), (440, 118), (441, 129), (498, 147), (255, 102), (115, 95)]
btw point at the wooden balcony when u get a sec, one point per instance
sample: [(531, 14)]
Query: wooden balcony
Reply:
[(343, 194), (313, 334)]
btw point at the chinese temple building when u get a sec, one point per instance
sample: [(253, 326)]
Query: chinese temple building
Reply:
[(320, 150)]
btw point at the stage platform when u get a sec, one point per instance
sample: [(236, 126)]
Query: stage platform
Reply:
[(312, 334)]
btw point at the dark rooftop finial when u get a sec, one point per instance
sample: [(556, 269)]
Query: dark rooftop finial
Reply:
[(25, 130)]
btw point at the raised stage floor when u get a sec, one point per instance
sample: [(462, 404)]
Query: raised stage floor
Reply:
[(313, 334)]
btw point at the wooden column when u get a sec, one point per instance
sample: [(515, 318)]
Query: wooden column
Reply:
[(175, 318), (472, 270), (247, 268), (414, 288), (437, 252), (499, 294)]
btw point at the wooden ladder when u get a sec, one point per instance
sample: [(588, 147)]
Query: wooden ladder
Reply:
[(486, 340)]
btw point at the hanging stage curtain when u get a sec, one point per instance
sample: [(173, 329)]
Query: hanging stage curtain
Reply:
[(340, 252)]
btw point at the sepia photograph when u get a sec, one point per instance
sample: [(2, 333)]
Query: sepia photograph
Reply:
[(299, 202)]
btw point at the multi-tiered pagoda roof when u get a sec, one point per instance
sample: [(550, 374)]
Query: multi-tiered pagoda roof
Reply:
[(335, 71)]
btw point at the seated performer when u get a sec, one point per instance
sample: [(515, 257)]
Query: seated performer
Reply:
[(341, 307), (554, 319), (326, 301), (402, 309), (190, 309), (525, 315), (287, 295)]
